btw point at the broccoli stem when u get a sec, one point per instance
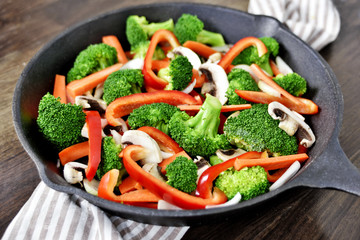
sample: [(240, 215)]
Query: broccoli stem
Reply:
[(207, 119), (153, 27), (266, 66), (211, 38)]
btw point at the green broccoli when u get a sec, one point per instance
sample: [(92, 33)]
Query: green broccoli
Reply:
[(198, 135), (155, 115), (122, 83), (190, 28), (109, 157), (292, 82), (60, 123), (182, 174), (249, 182), (250, 55), (140, 50), (178, 74), (241, 80), (255, 130), (138, 28), (93, 59)]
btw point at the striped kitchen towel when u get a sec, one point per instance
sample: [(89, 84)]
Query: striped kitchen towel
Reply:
[(49, 214), (317, 22)]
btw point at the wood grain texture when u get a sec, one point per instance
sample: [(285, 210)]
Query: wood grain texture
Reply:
[(25, 26)]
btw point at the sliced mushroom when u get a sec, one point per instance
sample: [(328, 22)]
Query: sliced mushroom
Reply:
[(136, 137), (290, 122), (91, 103), (217, 84), (202, 165), (73, 172), (154, 170), (229, 153), (188, 53)]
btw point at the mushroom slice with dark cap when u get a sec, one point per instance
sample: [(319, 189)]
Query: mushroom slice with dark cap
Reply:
[(137, 137), (218, 82), (229, 153), (91, 103), (73, 172), (202, 165), (292, 122)]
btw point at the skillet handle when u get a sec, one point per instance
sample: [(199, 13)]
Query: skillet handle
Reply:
[(332, 169)]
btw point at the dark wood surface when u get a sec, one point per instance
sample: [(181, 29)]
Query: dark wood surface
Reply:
[(25, 26)]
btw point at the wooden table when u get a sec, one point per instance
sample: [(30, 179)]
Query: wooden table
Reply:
[(25, 26)]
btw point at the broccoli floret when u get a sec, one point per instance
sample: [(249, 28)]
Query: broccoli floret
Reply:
[(155, 115), (122, 83), (292, 82), (178, 74), (249, 182), (250, 55), (182, 174), (138, 28), (198, 135), (190, 28), (255, 130), (140, 50), (60, 123), (93, 59), (241, 80), (109, 157)]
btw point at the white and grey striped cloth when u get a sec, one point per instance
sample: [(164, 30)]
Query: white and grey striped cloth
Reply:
[(49, 214), (317, 22)]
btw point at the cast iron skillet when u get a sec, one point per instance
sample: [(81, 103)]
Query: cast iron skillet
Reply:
[(327, 167)]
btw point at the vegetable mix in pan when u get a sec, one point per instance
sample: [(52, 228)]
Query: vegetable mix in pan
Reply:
[(181, 120)]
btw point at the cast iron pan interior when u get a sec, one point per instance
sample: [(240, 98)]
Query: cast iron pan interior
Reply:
[(57, 56)]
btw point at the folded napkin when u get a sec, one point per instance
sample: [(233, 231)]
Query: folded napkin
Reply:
[(317, 22), (49, 214)]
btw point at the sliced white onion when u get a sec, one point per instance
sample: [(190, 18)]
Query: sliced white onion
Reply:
[(222, 49), (249, 70), (190, 87), (116, 136), (267, 89), (292, 170), (235, 200), (282, 66), (136, 63), (165, 155), (163, 205)]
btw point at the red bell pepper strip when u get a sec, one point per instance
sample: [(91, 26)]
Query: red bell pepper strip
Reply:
[(309, 107), (183, 200), (150, 77), (205, 183), (239, 47), (270, 163), (274, 67), (200, 48), (125, 105), (166, 143), (74, 152), (106, 191), (269, 81), (93, 122)]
